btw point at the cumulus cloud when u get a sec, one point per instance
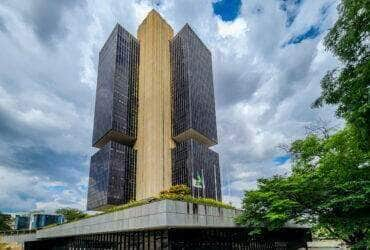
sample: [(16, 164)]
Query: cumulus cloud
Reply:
[(267, 68), (22, 190), (236, 28)]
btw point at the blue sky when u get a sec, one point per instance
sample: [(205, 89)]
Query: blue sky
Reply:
[(228, 10), (268, 59)]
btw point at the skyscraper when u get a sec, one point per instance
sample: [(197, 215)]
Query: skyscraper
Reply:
[(154, 116), (194, 118), (113, 168)]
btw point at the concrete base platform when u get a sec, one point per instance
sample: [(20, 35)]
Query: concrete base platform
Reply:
[(164, 224), (156, 215)]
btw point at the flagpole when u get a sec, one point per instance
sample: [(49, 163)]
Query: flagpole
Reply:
[(203, 183)]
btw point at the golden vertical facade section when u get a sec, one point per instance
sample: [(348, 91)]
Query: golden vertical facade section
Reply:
[(154, 141)]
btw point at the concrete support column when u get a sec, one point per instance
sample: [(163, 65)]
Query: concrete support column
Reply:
[(154, 140)]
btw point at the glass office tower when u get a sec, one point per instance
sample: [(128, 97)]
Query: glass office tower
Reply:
[(113, 167), (194, 116), (154, 116), (193, 95), (116, 92)]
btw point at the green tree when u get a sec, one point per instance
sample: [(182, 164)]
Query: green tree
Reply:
[(329, 186), (349, 86), (5, 222), (71, 214)]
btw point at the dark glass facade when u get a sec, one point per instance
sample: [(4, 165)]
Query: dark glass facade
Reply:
[(21, 222), (112, 176), (43, 220), (112, 168), (33, 220), (192, 83), (192, 160), (116, 92), (194, 118)]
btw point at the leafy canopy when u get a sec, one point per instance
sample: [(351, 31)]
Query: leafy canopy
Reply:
[(5, 222), (329, 187), (71, 214), (349, 86)]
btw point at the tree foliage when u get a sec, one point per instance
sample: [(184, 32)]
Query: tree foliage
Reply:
[(329, 187), (71, 214), (349, 86), (5, 222)]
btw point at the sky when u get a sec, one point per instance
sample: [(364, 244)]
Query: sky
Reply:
[(268, 59)]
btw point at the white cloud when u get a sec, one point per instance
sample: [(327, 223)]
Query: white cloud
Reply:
[(236, 28), (233, 200), (22, 191), (263, 89)]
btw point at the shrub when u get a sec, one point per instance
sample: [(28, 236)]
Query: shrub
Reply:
[(71, 214), (181, 190), (183, 193), (125, 206)]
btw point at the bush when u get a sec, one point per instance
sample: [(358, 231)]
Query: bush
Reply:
[(181, 190), (183, 193), (71, 214), (125, 206)]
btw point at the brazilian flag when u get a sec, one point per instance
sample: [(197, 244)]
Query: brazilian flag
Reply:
[(198, 181)]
